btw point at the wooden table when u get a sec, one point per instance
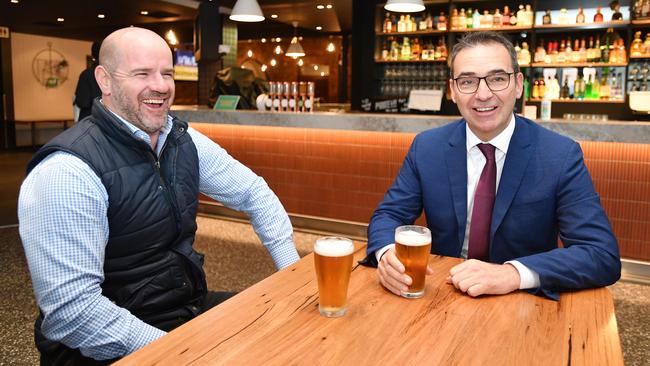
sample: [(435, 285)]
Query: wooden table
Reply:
[(276, 322)]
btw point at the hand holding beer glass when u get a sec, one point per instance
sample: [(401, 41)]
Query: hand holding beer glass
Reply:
[(412, 247), (333, 262)]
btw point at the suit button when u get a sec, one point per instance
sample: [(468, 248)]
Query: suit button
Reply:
[(160, 188)]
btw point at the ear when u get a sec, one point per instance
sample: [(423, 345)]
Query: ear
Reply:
[(450, 86), (519, 86), (103, 79)]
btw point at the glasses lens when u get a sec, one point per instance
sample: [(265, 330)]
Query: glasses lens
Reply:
[(467, 84), (498, 81)]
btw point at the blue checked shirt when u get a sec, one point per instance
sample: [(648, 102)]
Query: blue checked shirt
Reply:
[(64, 229)]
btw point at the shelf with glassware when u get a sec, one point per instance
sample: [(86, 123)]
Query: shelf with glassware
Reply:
[(412, 49)]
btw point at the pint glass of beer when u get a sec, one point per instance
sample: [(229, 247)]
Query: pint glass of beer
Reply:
[(333, 261), (413, 246)]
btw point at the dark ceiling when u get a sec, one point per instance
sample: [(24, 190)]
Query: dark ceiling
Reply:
[(81, 17)]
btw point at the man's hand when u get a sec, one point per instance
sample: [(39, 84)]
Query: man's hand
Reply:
[(391, 273), (476, 278)]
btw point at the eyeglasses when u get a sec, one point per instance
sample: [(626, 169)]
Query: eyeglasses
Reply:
[(494, 82)]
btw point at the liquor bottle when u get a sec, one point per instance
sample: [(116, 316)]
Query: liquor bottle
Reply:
[(582, 53), (645, 8), (590, 50), (395, 50), (476, 19), (442, 22), (521, 15), (487, 19), (469, 18), (606, 45), (406, 50), (563, 18), (542, 87), (497, 19), (575, 54), (385, 53), (530, 15), (605, 89), (564, 91), (580, 18), (416, 50), (443, 49), (555, 88), (524, 55), (462, 20), (540, 52), (598, 17), (637, 45), (588, 87), (646, 44), (616, 8), (505, 19), (561, 55), (546, 19), (597, 51), (535, 92), (429, 21), (622, 54), (401, 27), (579, 87), (388, 25), (526, 89), (422, 23), (568, 51), (513, 19)]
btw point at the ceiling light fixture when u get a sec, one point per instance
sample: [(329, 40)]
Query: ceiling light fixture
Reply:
[(318, 27), (60, 20), (171, 37), (404, 6), (300, 62), (246, 11), (14, 1), (320, 6), (144, 12), (295, 49), (249, 53), (278, 50), (264, 67), (101, 16), (331, 47), (263, 40), (273, 62), (329, 6), (274, 16)]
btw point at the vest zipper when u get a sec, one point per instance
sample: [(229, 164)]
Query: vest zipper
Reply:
[(169, 195)]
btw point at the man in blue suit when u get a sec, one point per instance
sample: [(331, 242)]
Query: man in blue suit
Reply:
[(540, 189)]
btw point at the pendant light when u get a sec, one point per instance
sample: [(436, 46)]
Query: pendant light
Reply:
[(246, 11), (404, 6), (295, 49)]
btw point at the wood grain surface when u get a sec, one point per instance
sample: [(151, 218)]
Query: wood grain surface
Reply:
[(276, 322)]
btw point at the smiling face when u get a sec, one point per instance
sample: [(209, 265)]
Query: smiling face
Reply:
[(486, 112), (137, 82)]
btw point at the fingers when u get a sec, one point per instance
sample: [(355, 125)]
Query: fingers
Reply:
[(391, 273), (477, 278)]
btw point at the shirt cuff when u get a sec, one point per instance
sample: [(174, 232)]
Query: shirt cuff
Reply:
[(528, 277), (379, 252)]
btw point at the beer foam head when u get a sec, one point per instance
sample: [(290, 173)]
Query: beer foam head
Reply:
[(333, 246), (412, 238)]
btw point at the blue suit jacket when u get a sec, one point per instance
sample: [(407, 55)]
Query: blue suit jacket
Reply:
[(545, 190)]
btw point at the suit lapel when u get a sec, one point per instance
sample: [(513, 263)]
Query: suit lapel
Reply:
[(517, 158), (456, 159)]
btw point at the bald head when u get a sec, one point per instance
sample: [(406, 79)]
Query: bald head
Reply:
[(126, 40)]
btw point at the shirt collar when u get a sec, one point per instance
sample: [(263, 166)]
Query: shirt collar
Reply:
[(138, 133), (500, 141)]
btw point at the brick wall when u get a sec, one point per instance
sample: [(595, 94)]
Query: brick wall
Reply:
[(344, 174)]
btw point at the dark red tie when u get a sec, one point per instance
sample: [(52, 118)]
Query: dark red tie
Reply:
[(479, 231)]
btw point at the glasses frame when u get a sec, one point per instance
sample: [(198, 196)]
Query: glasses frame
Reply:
[(484, 78)]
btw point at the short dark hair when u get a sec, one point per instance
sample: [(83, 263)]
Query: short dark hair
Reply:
[(482, 38)]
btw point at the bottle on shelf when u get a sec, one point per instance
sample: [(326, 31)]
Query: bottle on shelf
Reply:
[(429, 21), (523, 58), (513, 19), (505, 19), (595, 88), (395, 50), (462, 20), (497, 19), (422, 23), (442, 22), (563, 18), (604, 87), (646, 44), (598, 17), (616, 8), (469, 19), (582, 51), (535, 91), (546, 19), (530, 15), (486, 19), (476, 19), (455, 19), (564, 91), (526, 89), (521, 15), (579, 86), (580, 18), (385, 53), (636, 49), (388, 24), (401, 26), (540, 52), (588, 87), (416, 50), (406, 50)]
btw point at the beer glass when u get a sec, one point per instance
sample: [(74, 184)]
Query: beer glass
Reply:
[(333, 262), (413, 246)]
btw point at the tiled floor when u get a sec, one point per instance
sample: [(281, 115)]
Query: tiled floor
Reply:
[(234, 261)]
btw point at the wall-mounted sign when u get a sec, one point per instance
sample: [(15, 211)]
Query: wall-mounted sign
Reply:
[(4, 32), (50, 67)]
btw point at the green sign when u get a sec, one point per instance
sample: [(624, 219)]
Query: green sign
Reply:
[(226, 103)]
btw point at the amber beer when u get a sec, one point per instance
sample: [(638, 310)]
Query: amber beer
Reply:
[(333, 261), (413, 246)]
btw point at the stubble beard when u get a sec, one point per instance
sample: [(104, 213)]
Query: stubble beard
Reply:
[(135, 116)]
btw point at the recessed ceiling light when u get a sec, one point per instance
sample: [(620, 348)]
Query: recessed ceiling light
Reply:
[(14, 1), (319, 28), (329, 6), (263, 40), (144, 12), (274, 16), (278, 39), (60, 20), (320, 6), (101, 16)]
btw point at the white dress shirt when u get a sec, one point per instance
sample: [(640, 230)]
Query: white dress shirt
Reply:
[(475, 163)]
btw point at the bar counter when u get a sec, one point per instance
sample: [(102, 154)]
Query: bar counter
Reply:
[(607, 131), (338, 166)]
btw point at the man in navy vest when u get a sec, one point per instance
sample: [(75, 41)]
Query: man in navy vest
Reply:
[(108, 213), (497, 189)]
